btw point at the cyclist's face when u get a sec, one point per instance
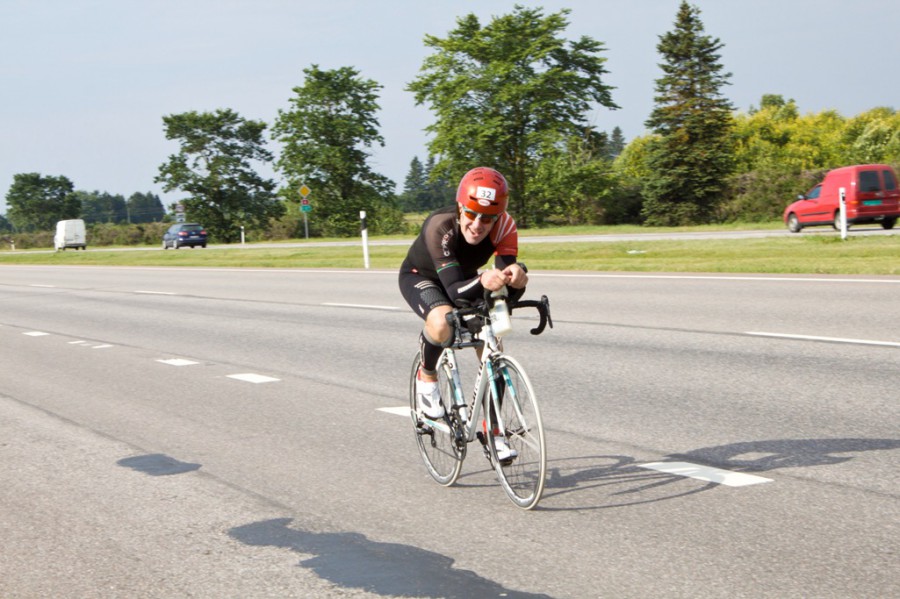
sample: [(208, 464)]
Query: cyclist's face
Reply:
[(474, 230)]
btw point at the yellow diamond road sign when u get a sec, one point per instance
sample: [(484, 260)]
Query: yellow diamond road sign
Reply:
[(304, 191)]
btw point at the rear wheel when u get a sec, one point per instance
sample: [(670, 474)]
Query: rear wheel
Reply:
[(437, 440), (889, 222), (519, 422)]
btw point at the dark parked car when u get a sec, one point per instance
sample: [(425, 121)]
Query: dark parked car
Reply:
[(184, 234)]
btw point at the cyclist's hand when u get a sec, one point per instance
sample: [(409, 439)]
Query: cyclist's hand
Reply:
[(494, 279), (516, 276)]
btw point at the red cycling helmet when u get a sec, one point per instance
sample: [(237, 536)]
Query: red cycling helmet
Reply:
[(483, 190)]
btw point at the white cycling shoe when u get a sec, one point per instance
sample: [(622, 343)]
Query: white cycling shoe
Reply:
[(505, 453), (428, 399)]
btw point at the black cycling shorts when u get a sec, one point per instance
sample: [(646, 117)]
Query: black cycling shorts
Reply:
[(422, 294)]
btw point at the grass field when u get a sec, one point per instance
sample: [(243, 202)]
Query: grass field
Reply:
[(803, 253)]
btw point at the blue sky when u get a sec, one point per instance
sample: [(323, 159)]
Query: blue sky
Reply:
[(84, 84)]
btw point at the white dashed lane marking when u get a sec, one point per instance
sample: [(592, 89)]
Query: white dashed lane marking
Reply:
[(178, 362), (395, 411), (247, 377), (250, 377), (713, 475)]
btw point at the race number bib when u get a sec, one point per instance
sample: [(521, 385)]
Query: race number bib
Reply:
[(485, 195)]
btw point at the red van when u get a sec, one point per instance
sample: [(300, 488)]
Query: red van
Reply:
[(871, 195)]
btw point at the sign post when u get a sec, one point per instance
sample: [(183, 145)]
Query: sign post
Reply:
[(305, 207), (365, 239), (843, 218)]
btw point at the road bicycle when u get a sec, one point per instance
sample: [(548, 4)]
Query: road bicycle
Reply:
[(502, 404)]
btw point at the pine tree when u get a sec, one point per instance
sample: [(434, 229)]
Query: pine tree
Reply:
[(616, 144), (440, 191), (692, 154), (415, 188)]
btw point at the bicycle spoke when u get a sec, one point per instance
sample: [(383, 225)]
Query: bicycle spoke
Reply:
[(523, 477), (436, 439)]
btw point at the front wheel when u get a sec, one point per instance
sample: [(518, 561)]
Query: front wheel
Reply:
[(519, 423), (437, 440), (793, 223)]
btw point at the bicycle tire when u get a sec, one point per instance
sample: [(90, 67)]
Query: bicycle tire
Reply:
[(523, 478), (436, 443)]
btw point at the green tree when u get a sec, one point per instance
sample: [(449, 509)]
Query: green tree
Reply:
[(102, 207), (692, 157), (573, 182), (36, 202), (5, 225), (415, 194), (616, 144), (325, 135), (441, 192), (145, 208), (872, 137), (215, 168), (504, 92)]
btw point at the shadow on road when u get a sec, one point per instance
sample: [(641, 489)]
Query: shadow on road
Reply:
[(350, 560), (762, 456), (627, 483)]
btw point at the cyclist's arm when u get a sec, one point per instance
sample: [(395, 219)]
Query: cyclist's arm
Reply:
[(458, 286)]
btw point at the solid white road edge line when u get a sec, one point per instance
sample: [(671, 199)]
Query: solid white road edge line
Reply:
[(829, 339), (367, 306), (713, 475), (714, 277), (155, 292)]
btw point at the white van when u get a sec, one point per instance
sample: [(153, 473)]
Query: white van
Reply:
[(70, 234)]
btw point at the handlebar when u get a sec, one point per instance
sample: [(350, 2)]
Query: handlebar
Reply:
[(543, 308), (459, 318)]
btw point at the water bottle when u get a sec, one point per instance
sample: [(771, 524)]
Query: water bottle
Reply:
[(500, 321)]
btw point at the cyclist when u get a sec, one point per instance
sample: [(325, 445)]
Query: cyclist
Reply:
[(441, 268)]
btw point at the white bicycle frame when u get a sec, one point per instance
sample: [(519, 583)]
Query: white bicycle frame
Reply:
[(490, 352)]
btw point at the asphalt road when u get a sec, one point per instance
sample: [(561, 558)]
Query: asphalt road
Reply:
[(220, 433)]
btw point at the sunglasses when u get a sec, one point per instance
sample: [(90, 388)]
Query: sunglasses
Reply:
[(485, 218)]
